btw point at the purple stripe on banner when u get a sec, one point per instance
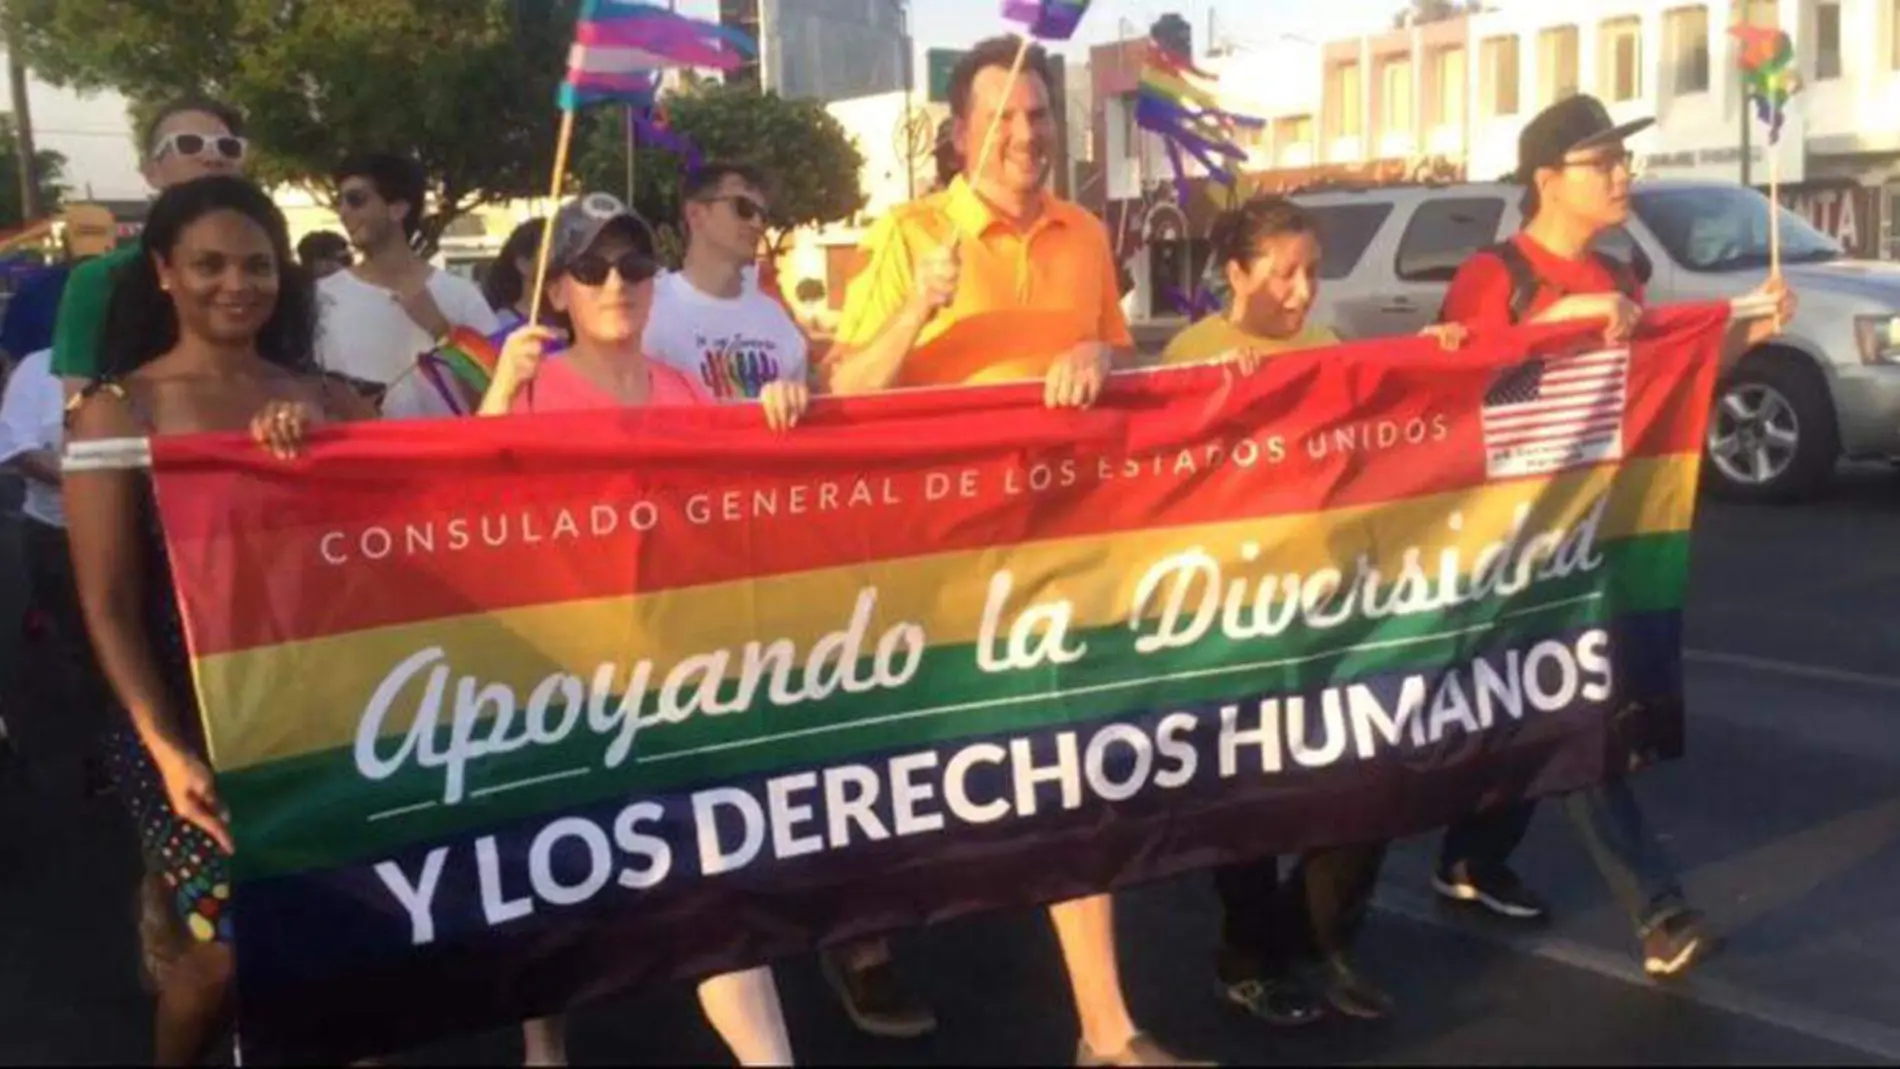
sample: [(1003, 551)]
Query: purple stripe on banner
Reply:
[(554, 911)]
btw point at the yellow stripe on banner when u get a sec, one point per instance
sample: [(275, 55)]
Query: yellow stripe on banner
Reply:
[(282, 701)]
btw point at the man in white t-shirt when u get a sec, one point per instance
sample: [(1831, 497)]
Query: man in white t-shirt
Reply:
[(377, 317), (707, 320), (31, 415)]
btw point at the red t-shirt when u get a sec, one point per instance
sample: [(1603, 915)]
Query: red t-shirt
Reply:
[(557, 387), (1480, 294)]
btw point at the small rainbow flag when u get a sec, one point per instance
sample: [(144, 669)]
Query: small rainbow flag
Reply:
[(1047, 20), (1767, 60), (471, 357)]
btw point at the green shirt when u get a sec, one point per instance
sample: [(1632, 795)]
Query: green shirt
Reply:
[(82, 313)]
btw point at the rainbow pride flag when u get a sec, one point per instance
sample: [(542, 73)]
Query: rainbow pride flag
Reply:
[(1768, 70), (522, 711)]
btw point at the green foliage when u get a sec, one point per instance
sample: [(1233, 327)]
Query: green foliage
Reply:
[(49, 168), (809, 159), (465, 86)]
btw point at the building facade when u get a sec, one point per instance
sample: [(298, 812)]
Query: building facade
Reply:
[(825, 49)]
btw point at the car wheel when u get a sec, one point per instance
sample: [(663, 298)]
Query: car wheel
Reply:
[(1772, 435)]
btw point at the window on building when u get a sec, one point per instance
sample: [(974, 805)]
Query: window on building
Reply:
[(1686, 36), (1756, 12), (1448, 92), (1893, 34), (1827, 41), (1293, 140), (1346, 231), (1498, 76), (1620, 58), (1397, 115), (1131, 133), (1443, 234), (1556, 64), (1345, 97)]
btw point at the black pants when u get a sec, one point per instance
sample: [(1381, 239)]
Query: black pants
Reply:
[(1268, 923), (73, 687), (1488, 838)]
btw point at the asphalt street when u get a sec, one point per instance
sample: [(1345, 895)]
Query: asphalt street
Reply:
[(1784, 818)]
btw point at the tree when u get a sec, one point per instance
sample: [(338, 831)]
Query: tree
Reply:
[(811, 162), (465, 86), (49, 169)]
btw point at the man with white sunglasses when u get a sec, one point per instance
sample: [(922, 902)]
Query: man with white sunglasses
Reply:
[(186, 139)]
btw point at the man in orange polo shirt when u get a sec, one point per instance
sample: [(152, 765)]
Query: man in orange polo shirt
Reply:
[(992, 279)]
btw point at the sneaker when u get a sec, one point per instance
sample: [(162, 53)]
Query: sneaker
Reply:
[(1139, 1050), (1353, 995), (1676, 944), (1496, 888), (1278, 1000), (876, 1000)]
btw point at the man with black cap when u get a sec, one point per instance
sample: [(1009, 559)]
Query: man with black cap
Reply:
[(1575, 171)]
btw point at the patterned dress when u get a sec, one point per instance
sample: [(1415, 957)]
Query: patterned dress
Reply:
[(195, 870)]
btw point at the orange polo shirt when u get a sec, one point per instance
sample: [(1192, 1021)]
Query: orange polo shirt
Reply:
[(1023, 298)]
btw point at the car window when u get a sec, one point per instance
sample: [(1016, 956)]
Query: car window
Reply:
[(1618, 245), (1345, 231), (1443, 234)]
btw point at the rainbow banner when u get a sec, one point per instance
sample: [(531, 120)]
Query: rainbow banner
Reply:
[(512, 714)]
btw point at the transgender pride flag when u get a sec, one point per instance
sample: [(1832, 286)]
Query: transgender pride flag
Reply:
[(620, 47)]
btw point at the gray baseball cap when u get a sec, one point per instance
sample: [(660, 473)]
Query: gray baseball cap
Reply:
[(582, 221)]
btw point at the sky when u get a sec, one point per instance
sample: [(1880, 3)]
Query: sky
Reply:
[(956, 23), (960, 23)]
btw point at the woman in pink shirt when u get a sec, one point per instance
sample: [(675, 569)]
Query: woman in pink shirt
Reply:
[(600, 276)]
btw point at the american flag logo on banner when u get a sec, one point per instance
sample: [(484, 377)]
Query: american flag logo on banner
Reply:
[(1554, 413)]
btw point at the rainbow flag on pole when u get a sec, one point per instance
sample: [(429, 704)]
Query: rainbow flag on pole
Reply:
[(1767, 61), (516, 713)]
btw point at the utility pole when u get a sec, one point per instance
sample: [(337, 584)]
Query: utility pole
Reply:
[(30, 206), (765, 46), (1748, 123)]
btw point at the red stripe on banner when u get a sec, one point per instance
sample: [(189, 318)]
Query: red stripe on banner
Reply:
[(672, 498)]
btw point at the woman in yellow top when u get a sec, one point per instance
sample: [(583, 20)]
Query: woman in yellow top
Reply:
[(1269, 249)]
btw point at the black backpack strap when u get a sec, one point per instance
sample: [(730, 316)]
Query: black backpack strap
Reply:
[(1524, 281), (1621, 273)]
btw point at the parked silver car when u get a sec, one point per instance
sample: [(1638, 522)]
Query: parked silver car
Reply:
[(1827, 387)]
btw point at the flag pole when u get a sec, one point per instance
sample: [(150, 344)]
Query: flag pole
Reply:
[(547, 232), (1774, 209), (631, 145)]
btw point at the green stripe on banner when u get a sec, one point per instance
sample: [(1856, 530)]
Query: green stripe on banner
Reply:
[(297, 806)]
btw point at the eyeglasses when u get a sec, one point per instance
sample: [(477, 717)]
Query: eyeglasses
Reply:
[(747, 209), (633, 268), (1605, 163), (230, 146)]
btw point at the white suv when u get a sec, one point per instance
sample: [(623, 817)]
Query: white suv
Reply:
[(1827, 387)]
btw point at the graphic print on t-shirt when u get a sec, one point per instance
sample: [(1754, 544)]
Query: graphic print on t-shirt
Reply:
[(737, 367)]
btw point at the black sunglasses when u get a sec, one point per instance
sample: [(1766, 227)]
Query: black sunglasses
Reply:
[(747, 209), (634, 268)]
